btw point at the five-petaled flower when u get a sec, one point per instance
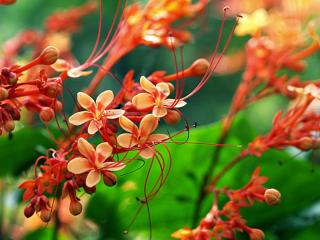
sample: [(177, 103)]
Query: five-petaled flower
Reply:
[(140, 137), (96, 111), (155, 98), (93, 161), (309, 90)]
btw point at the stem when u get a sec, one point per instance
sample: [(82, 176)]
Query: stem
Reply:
[(2, 191), (57, 223), (305, 53), (214, 161), (106, 66), (230, 165)]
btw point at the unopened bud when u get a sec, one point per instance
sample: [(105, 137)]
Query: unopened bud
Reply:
[(12, 110), (199, 67), (109, 179), (3, 93), (306, 143), (75, 208), (256, 234), (272, 196), (89, 190), (49, 55), (52, 89), (45, 215), (172, 117), (13, 78), (9, 125), (46, 114), (29, 211), (57, 107)]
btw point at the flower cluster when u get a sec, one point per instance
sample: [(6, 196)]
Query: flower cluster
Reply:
[(123, 122), (224, 223)]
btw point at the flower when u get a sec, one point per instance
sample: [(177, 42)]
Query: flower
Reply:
[(96, 111), (93, 161), (74, 72), (141, 136), (309, 90), (252, 23), (156, 98)]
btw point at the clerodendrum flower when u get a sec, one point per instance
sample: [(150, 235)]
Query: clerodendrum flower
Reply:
[(156, 98), (140, 137), (310, 89), (96, 111), (93, 161)]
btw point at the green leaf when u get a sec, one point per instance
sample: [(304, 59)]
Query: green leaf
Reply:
[(21, 150)]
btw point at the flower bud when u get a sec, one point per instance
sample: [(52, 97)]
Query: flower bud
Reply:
[(305, 143), (256, 234), (45, 215), (9, 125), (3, 93), (109, 179), (272, 196), (57, 107), (75, 208), (46, 114), (29, 211), (172, 117), (52, 89), (49, 55), (13, 78), (199, 67), (89, 190)]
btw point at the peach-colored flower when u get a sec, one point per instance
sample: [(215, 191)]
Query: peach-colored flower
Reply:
[(96, 111), (62, 65), (93, 161), (310, 89), (140, 137), (156, 98)]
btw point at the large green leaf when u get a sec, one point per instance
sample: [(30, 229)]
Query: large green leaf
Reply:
[(20, 151), (173, 206)]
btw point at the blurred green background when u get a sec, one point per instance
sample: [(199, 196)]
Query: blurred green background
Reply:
[(112, 209)]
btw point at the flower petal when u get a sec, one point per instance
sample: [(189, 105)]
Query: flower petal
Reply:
[(93, 178), (143, 101), (113, 166), (103, 151), (128, 125), (147, 85), (79, 165), (86, 149), (104, 99), (114, 113), (174, 103), (164, 88), (147, 152), (127, 140), (148, 124), (61, 65), (94, 127), (85, 100), (159, 111), (157, 138), (76, 73), (80, 118)]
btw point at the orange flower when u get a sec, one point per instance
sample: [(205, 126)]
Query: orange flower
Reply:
[(140, 137), (156, 98), (309, 90), (74, 72), (96, 111), (93, 161)]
